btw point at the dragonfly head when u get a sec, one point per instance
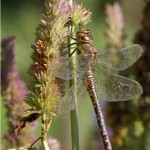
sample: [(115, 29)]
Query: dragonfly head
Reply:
[(84, 36)]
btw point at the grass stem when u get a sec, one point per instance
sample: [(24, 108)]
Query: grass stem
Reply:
[(73, 114)]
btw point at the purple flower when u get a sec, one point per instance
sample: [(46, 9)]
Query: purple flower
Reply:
[(14, 92)]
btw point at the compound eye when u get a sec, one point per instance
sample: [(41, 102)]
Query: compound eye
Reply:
[(85, 38)]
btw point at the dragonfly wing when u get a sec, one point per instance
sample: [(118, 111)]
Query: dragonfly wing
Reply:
[(114, 87), (68, 68), (76, 92), (120, 59)]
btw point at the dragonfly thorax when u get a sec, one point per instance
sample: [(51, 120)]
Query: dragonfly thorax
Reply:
[(84, 36), (85, 42)]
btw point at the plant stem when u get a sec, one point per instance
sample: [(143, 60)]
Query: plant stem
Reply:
[(74, 130), (45, 144), (34, 143), (46, 122), (73, 114)]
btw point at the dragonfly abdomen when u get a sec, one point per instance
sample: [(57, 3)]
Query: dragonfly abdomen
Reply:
[(97, 108)]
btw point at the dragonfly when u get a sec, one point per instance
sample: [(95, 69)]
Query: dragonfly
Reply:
[(96, 73)]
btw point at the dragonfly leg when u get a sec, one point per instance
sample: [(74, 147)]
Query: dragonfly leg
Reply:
[(72, 52), (70, 44), (72, 38)]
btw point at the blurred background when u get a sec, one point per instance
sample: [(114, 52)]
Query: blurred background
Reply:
[(20, 19)]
